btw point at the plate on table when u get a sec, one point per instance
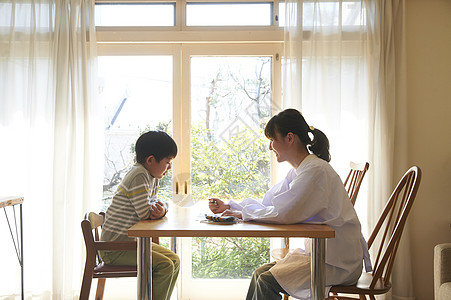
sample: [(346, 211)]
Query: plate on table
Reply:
[(217, 219)]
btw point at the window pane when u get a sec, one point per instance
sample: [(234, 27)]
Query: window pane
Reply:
[(229, 14), (230, 103), (282, 16), (134, 14), (353, 14), (25, 16), (137, 97), (326, 13)]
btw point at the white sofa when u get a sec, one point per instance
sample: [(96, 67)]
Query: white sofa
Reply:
[(442, 271)]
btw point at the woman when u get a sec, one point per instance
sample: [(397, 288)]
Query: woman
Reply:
[(312, 192)]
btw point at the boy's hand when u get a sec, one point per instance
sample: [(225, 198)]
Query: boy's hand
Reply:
[(157, 210), (217, 205)]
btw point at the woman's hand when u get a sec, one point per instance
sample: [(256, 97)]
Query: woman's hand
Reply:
[(217, 205), (157, 210), (234, 213)]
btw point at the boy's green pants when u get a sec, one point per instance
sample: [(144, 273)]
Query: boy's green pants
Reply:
[(165, 268)]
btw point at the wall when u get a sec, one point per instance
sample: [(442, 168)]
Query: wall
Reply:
[(428, 41)]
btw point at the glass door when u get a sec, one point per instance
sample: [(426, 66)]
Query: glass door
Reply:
[(230, 100)]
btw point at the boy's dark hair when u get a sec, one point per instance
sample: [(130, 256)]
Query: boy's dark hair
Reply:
[(156, 143)]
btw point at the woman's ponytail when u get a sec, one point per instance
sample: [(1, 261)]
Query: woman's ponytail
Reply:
[(320, 144)]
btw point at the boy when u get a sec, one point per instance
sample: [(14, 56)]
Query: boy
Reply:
[(136, 199)]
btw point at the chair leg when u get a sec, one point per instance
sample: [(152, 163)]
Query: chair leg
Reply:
[(85, 286), (100, 288)]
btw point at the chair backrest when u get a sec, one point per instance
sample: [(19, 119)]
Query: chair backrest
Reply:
[(91, 226), (352, 186), (94, 267), (390, 225), (354, 179)]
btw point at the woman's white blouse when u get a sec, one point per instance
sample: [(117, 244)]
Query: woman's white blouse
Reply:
[(312, 193)]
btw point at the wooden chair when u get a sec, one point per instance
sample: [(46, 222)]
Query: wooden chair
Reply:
[(352, 185), (94, 266), (354, 179), (387, 231)]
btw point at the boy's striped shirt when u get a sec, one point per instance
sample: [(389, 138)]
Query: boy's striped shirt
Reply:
[(131, 203)]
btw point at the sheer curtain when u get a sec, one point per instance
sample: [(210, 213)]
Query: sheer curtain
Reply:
[(344, 69), (52, 150)]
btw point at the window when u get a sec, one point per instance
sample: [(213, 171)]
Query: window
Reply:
[(135, 14), (230, 99), (21, 16), (351, 14), (212, 89), (228, 14)]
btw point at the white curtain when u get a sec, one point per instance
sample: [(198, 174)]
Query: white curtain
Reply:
[(51, 151), (344, 68)]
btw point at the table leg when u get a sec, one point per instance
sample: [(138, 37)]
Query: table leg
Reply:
[(21, 253), (144, 257), (318, 276), (18, 244)]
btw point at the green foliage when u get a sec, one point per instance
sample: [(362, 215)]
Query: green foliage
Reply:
[(230, 258), (235, 168)]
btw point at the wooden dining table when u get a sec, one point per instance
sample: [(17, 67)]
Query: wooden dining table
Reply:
[(188, 222)]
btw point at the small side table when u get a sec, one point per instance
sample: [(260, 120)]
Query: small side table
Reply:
[(18, 244)]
